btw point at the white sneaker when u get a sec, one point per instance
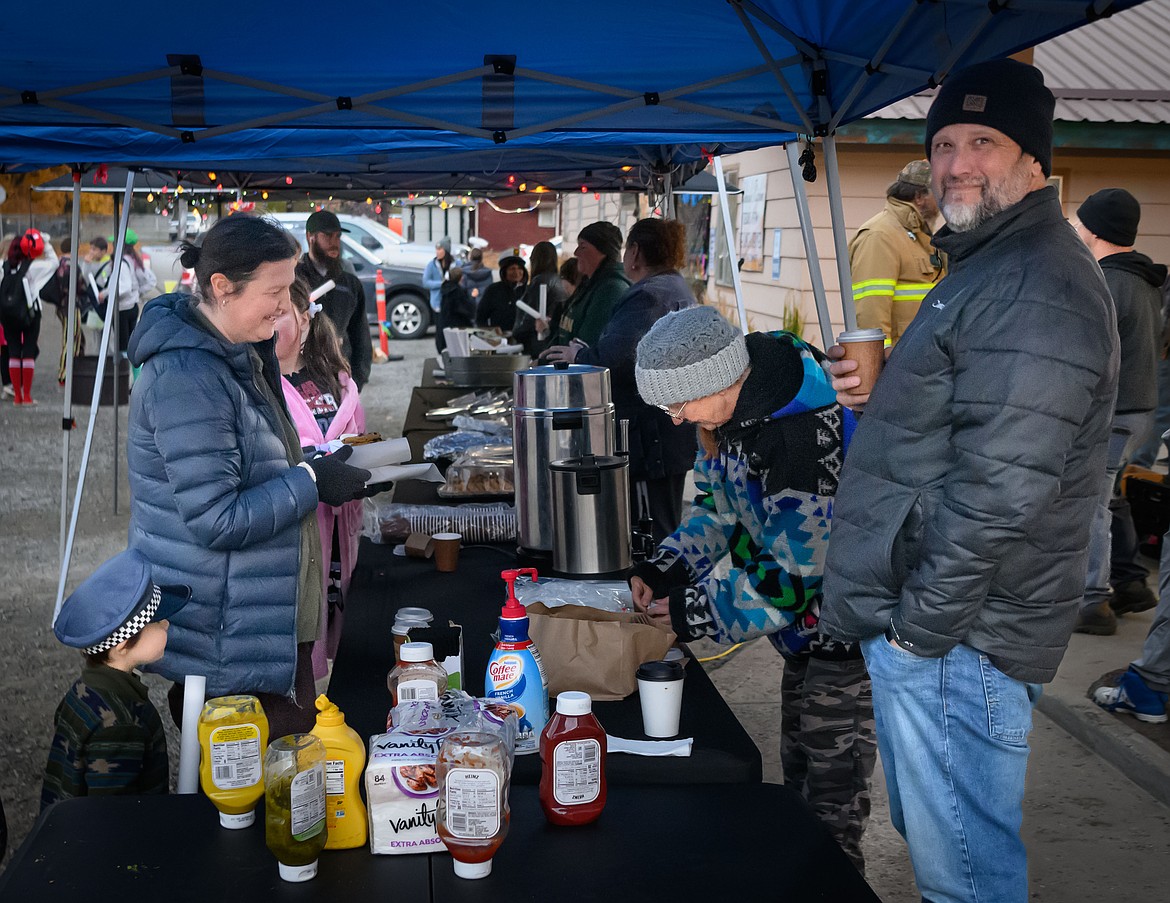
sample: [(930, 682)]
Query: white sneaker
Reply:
[(9, 392)]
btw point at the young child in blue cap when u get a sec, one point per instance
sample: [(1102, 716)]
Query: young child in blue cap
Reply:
[(109, 738)]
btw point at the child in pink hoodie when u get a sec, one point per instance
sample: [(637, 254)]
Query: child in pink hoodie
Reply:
[(323, 402)]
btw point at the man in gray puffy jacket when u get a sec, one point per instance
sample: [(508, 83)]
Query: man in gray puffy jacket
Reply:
[(961, 524)]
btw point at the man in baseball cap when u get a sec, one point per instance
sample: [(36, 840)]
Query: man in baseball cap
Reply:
[(345, 303), (961, 524), (892, 261)]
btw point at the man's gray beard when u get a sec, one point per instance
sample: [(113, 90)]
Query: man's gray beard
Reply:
[(995, 199)]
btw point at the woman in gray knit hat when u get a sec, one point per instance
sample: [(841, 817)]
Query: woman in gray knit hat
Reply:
[(748, 559)]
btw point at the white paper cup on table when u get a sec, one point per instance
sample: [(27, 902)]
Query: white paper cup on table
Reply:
[(446, 547), (868, 348), (660, 689)]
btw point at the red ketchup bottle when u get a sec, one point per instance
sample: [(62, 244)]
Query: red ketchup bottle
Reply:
[(572, 758)]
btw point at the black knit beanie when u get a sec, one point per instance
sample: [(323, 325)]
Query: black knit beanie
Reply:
[(1112, 214), (606, 237), (1006, 95)]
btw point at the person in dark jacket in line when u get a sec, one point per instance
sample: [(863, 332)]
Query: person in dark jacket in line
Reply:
[(346, 303), (662, 452), (1107, 222), (476, 277), (749, 557), (497, 305), (599, 261), (961, 525), (222, 498), (456, 309), (528, 331)]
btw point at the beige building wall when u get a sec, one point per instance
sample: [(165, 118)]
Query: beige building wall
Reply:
[(866, 172)]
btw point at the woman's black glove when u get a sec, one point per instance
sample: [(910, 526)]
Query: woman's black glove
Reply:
[(338, 482)]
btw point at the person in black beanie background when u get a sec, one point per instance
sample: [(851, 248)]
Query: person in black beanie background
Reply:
[(1107, 222), (962, 519)]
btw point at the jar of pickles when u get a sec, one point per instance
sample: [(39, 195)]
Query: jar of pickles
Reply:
[(294, 803)]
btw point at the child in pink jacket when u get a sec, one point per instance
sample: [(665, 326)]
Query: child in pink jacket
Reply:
[(323, 402)]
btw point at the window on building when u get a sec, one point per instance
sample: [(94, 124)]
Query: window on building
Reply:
[(720, 253)]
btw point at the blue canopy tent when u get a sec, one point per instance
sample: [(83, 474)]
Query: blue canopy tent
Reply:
[(459, 92)]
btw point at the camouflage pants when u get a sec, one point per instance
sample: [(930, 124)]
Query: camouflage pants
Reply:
[(827, 743)]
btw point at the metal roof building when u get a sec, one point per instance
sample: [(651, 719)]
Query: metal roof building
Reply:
[(1113, 71)]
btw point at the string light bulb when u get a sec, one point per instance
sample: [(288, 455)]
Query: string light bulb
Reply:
[(211, 177), (264, 195), (149, 196)]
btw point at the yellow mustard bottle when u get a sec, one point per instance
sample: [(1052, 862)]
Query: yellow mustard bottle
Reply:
[(233, 737), (345, 758)]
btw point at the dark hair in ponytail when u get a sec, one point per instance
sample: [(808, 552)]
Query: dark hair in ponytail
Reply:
[(236, 246), (322, 349)]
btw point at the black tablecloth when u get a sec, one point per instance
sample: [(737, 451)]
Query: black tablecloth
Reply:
[(723, 751), (159, 849), (681, 844)]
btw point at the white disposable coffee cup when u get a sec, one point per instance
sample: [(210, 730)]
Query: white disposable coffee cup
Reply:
[(660, 688)]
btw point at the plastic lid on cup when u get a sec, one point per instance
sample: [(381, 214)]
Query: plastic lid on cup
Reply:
[(416, 652), (661, 671), (298, 872), (403, 626), (413, 612), (862, 335), (473, 869), (574, 702)]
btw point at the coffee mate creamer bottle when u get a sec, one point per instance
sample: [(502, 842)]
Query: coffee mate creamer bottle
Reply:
[(515, 674)]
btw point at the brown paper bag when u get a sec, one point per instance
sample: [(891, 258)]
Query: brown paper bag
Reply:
[(595, 651)]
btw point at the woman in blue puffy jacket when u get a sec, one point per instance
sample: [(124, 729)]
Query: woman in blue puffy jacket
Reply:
[(222, 498)]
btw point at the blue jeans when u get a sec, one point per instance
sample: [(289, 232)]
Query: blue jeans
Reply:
[(1114, 556), (953, 737), (1151, 442)]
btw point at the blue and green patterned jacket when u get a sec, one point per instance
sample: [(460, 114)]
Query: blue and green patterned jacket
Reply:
[(749, 556)]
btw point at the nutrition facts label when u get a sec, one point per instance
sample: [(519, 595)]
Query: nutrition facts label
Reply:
[(473, 802), (576, 772), (334, 777), (235, 756), (308, 803)]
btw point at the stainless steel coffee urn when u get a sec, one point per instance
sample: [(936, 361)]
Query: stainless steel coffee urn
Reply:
[(559, 411), (591, 504)]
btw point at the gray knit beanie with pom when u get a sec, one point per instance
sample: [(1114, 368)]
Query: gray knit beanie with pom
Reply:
[(689, 354)]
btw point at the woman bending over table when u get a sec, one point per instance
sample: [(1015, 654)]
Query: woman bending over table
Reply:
[(749, 557)]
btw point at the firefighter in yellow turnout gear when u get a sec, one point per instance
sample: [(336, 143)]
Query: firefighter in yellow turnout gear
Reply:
[(891, 257)]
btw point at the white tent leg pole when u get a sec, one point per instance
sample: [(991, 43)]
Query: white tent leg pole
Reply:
[(810, 244), (667, 197), (103, 352), (70, 337), (840, 240), (730, 242)]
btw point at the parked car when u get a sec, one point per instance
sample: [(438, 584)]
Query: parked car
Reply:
[(408, 309), (390, 247), (195, 223)]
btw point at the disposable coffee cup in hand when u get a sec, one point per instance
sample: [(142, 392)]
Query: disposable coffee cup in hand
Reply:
[(660, 688), (868, 348), (446, 546)]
